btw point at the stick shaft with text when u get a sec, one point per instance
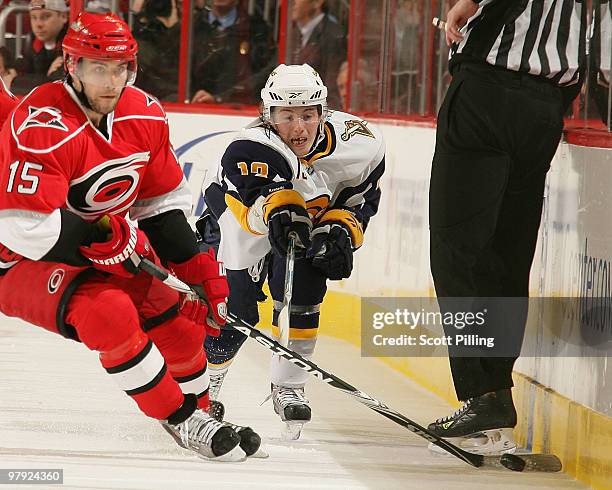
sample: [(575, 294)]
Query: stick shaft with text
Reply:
[(534, 462), (284, 315)]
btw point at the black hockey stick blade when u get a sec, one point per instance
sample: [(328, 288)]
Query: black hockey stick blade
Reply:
[(476, 460), (164, 276), (531, 462), (527, 462)]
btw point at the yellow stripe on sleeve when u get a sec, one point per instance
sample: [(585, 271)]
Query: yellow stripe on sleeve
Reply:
[(283, 197), (240, 212), (347, 218)]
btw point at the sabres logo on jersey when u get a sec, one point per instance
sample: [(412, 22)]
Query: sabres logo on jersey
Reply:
[(47, 117), (354, 127)]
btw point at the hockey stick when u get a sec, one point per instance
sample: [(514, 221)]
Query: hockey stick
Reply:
[(527, 462), (284, 314)]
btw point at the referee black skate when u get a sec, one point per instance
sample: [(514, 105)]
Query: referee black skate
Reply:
[(516, 66)]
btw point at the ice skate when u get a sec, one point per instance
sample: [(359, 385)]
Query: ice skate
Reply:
[(217, 375), (483, 425), (293, 408), (250, 442), (216, 410), (207, 437)]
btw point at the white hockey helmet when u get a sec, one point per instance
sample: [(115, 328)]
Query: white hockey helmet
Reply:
[(293, 86)]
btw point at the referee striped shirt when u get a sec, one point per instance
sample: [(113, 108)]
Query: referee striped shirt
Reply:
[(601, 40), (545, 38)]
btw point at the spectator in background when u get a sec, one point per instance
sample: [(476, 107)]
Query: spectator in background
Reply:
[(342, 83), (233, 53), (7, 67), (137, 6), (42, 59), (158, 33), (364, 88), (199, 8), (408, 31), (7, 100), (319, 41)]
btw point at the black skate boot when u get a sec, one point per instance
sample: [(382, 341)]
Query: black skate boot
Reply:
[(250, 442), (293, 408), (216, 410), (205, 436), (483, 425)]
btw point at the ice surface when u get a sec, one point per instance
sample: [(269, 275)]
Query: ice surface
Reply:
[(59, 409)]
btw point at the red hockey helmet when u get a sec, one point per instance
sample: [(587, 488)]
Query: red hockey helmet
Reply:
[(100, 37)]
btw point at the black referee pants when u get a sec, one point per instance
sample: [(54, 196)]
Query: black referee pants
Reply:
[(496, 136)]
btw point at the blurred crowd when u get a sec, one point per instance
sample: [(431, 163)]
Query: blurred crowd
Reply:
[(235, 44)]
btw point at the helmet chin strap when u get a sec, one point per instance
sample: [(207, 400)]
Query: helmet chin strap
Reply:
[(320, 135), (80, 94)]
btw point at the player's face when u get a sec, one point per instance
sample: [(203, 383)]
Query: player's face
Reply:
[(297, 127), (225, 3), (47, 24), (304, 10), (103, 81)]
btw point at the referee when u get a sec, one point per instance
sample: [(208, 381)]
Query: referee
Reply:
[(516, 66)]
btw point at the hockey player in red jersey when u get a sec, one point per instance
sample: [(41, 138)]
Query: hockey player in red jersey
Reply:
[(7, 102), (78, 155)]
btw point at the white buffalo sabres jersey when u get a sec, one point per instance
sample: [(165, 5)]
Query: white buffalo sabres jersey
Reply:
[(342, 171)]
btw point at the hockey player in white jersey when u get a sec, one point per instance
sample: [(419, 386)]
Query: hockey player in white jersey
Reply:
[(303, 170)]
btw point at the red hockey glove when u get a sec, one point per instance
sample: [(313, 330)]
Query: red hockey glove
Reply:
[(123, 241), (203, 270), (197, 311)]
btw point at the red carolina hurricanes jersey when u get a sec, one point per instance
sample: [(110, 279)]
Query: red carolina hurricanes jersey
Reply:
[(7, 102), (53, 157)]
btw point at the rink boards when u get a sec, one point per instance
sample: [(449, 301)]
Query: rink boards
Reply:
[(573, 257)]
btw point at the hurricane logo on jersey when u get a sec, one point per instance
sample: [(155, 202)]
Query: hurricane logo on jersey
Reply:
[(354, 127), (55, 280), (110, 187), (47, 117)]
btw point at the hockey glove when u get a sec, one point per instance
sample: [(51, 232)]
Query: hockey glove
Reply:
[(204, 272), (123, 241), (334, 238), (284, 212), (197, 311)]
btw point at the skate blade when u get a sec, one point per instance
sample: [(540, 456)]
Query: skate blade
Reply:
[(236, 455), (292, 431), (493, 442), (261, 453)]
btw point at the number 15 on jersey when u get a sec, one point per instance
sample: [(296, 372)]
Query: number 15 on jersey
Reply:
[(27, 182)]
